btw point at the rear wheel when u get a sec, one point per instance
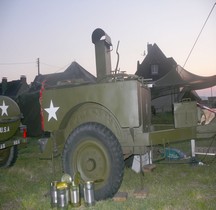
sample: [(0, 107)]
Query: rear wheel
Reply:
[(94, 151), (8, 156)]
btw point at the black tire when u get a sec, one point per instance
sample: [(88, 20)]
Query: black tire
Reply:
[(94, 151), (8, 156)]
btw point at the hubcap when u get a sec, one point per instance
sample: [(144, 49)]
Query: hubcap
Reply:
[(91, 160), (91, 164)]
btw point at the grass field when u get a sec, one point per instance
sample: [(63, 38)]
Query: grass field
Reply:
[(172, 185)]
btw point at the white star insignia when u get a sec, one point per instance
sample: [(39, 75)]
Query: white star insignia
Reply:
[(4, 109), (51, 111)]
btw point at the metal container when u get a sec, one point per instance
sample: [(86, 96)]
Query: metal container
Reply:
[(62, 196), (66, 178), (53, 193), (74, 194), (88, 190)]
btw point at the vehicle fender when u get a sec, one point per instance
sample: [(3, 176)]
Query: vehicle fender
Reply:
[(93, 112)]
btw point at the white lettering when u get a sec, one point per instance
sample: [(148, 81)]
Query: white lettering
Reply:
[(2, 146), (16, 142), (4, 129)]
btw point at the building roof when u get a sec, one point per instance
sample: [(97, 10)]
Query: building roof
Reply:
[(13, 88), (74, 74), (155, 57)]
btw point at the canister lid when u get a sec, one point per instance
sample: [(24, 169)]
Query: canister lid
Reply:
[(62, 185)]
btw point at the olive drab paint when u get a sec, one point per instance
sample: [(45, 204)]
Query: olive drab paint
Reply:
[(5, 129), (11, 130), (9, 118), (119, 102)]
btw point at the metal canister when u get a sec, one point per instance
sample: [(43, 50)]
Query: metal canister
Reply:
[(88, 190), (62, 196), (74, 193), (53, 193)]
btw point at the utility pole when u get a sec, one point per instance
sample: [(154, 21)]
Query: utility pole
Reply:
[(38, 65)]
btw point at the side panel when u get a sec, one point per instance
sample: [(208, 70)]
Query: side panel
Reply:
[(172, 135), (185, 114), (120, 98)]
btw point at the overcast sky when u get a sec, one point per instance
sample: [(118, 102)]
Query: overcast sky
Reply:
[(59, 32)]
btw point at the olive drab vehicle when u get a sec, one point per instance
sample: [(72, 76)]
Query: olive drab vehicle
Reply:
[(95, 127), (12, 132)]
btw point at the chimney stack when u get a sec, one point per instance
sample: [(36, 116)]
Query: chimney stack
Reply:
[(4, 79), (102, 53), (4, 85), (23, 79), (149, 47)]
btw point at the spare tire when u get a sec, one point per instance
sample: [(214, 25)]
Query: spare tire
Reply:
[(8, 156), (10, 116)]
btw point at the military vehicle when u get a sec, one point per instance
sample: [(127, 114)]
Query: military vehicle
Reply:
[(12, 132), (95, 127)]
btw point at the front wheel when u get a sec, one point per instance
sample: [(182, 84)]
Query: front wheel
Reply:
[(94, 151), (8, 156)]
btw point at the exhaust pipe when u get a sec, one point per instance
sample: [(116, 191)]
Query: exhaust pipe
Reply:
[(102, 44)]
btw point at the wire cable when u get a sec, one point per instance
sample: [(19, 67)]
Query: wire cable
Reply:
[(198, 35), (50, 65), (19, 63)]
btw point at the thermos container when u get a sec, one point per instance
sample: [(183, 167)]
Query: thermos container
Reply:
[(88, 190), (62, 196), (74, 190), (53, 193)]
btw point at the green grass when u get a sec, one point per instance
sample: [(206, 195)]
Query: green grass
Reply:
[(170, 185), (162, 117)]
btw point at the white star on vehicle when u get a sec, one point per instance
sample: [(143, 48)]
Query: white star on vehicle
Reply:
[(4, 109), (51, 111)]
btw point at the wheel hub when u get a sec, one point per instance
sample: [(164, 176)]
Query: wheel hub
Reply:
[(90, 164)]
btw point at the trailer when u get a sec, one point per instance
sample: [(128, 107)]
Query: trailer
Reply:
[(95, 127)]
